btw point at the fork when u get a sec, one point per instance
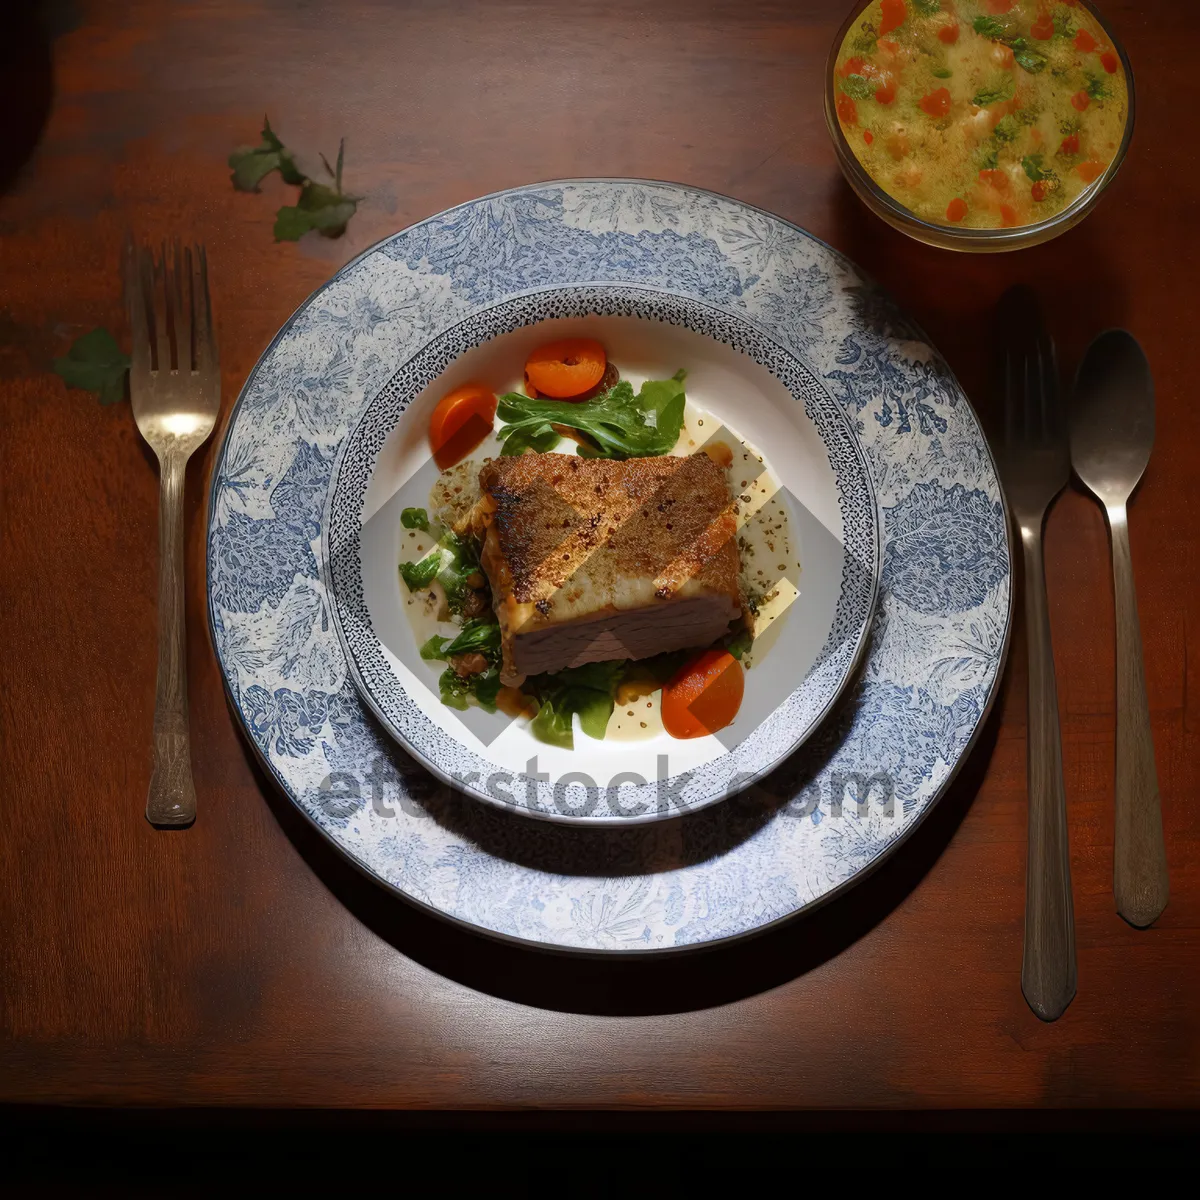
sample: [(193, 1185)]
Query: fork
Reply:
[(1035, 465), (175, 387)]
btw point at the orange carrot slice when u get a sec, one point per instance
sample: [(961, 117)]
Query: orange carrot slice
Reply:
[(704, 695), (462, 419), (563, 370)]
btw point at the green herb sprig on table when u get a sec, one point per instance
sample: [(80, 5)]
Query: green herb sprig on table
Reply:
[(95, 363), (320, 206)]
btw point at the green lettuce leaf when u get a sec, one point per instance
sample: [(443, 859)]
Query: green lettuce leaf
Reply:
[(587, 691), (456, 691), (622, 424)]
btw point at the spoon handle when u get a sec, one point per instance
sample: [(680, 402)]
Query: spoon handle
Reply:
[(1048, 966), (1139, 856)]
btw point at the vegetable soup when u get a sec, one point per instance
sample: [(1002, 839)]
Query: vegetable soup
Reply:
[(981, 114)]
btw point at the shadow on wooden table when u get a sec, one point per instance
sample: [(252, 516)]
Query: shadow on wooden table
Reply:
[(685, 980), (27, 29)]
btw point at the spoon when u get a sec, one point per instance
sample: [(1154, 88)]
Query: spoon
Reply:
[(1112, 432)]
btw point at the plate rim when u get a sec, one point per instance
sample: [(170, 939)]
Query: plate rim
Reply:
[(558, 948)]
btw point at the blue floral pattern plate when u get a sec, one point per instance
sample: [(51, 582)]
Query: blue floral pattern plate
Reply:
[(796, 837)]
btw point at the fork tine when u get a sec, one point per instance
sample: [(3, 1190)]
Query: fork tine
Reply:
[(1034, 431), (206, 348), (1051, 394), (135, 303), (166, 285), (1012, 424), (155, 323), (183, 333)]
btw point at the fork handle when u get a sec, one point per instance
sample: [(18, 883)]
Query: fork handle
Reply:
[(172, 797), (1139, 856), (1048, 966)]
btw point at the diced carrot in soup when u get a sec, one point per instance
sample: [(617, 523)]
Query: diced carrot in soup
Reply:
[(892, 14), (936, 104), (965, 131)]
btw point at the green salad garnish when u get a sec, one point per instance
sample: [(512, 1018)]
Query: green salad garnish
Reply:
[(618, 423)]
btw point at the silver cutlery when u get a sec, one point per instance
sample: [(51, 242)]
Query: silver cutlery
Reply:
[(1112, 432), (1035, 465), (175, 387)]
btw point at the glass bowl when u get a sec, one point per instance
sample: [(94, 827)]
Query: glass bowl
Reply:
[(975, 241)]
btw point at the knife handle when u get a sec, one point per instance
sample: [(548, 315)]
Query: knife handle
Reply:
[(1139, 855), (1048, 973)]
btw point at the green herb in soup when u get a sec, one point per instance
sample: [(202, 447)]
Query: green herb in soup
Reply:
[(981, 113)]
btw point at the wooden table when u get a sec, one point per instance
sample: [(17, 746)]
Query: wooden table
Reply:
[(240, 962)]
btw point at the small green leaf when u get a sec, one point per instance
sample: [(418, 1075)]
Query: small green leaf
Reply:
[(942, 73), (95, 363), (414, 518), (419, 575), (252, 164), (1032, 164), (1006, 129), (989, 27), (318, 207), (481, 635), (858, 87), (927, 8), (435, 648), (543, 439), (1062, 22), (738, 644), (1030, 60), (865, 40), (454, 689), (1095, 87), (994, 93)]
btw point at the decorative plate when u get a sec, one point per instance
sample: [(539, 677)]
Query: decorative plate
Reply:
[(748, 387), (829, 812)]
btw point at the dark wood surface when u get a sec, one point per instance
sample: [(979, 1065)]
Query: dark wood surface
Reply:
[(241, 962)]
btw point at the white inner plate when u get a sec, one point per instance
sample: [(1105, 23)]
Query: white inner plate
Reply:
[(635, 772)]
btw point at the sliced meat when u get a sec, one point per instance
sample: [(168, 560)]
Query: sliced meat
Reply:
[(638, 633), (591, 559)]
